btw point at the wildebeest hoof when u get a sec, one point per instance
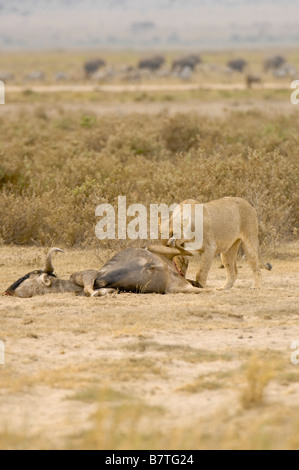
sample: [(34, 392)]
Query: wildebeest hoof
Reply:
[(103, 292), (96, 294)]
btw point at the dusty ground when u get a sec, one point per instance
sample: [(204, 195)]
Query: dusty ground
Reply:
[(150, 371), (217, 110), (145, 87), (150, 99)]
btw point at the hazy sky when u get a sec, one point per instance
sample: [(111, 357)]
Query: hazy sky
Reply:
[(147, 23)]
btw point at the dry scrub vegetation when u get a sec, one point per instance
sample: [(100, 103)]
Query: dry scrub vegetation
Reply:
[(55, 168)]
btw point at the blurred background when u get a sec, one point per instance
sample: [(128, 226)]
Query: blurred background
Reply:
[(36, 24), (110, 40)]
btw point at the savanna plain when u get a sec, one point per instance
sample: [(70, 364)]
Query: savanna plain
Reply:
[(133, 371)]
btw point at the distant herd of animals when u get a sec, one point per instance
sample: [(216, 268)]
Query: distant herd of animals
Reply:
[(156, 66)]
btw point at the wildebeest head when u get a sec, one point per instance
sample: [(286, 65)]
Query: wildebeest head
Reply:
[(37, 282), (181, 264)]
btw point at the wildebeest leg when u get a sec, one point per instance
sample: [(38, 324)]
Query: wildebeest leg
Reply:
[(88, 280), (206, 260), (229, 259), (103, 292)]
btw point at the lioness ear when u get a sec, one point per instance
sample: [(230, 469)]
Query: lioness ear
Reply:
[(46, 280)]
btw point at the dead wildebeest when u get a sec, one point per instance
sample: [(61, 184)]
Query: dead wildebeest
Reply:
[(155, 269)]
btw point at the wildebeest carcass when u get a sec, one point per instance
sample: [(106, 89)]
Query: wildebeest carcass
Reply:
[(155, 269)]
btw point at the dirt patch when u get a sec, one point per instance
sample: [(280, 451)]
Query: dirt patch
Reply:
[(220, 109)]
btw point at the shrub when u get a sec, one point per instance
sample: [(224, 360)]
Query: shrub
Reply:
[(181, 132)]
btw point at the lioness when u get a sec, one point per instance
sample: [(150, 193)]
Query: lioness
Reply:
[(227, 223)]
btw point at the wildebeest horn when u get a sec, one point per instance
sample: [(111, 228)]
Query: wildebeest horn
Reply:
[(174, 244), (168, 251), (49, 269)]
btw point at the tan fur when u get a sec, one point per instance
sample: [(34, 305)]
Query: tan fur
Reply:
[(228, 223)]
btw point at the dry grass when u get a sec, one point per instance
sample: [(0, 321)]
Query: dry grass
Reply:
[(258, 376)]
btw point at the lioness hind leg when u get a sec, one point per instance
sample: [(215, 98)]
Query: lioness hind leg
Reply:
[(251, 249), (229, 259)]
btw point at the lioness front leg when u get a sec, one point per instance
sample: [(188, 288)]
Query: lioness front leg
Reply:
[(187, 289), (206, 260)]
